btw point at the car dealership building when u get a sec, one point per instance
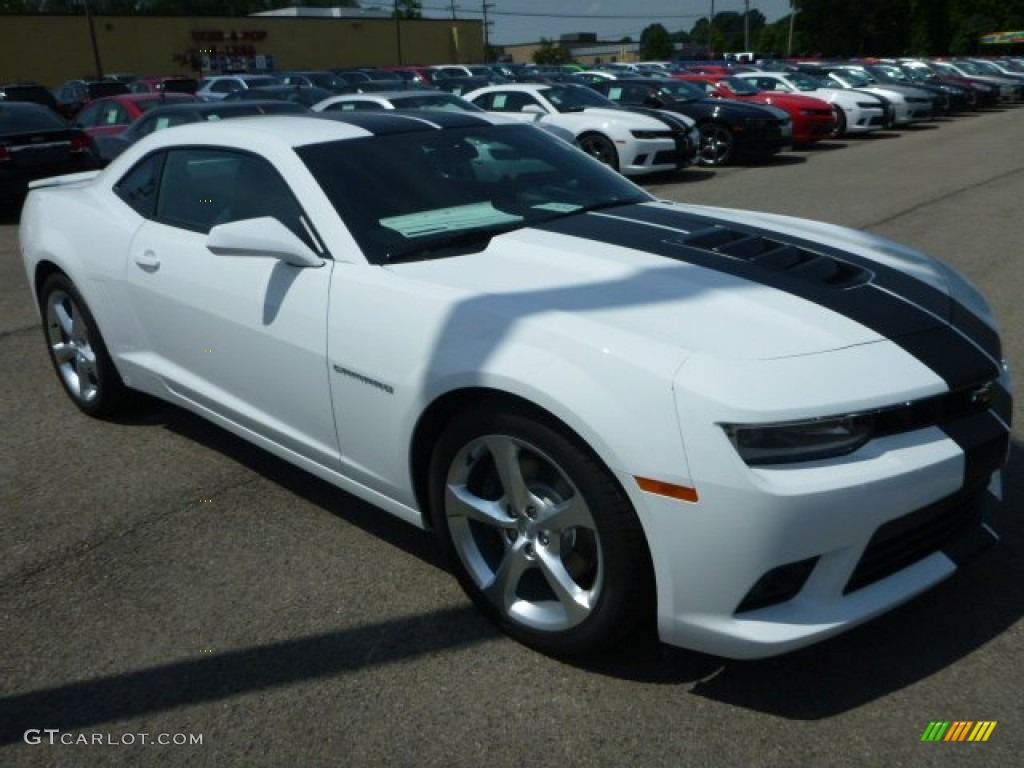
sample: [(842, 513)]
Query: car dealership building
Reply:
[(51, 49)]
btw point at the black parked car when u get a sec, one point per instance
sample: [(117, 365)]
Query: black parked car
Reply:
[(728, 129), (31, 92), (36, 143), (158, 118)]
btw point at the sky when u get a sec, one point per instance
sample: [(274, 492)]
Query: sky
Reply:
[(524, 21)]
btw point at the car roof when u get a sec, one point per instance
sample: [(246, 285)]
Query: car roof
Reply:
[(268, 131), (185, 98)]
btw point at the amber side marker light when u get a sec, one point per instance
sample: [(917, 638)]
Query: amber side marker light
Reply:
[(660, 488)]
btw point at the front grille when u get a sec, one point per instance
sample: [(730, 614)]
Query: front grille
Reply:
[(676, 156), (911, 538)]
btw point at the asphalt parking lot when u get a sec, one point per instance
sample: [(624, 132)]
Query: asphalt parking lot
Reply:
[(160, 580)]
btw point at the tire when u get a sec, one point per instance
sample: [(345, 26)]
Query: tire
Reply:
[(717, 145), (840, 122), (77, 350), (601, 148), (538, 532)]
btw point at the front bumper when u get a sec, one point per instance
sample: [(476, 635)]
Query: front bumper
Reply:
[(765, 137), (642, 156), (774, 558)]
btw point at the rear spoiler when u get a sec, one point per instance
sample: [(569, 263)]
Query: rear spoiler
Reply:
[(64, 181)]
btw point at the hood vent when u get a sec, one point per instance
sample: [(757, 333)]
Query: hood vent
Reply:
[(777, 256)]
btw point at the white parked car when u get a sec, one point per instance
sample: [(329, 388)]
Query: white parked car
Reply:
[(855, 112), (631, 143), (908, 106), (425, 99), (758, 431), (218, 87)]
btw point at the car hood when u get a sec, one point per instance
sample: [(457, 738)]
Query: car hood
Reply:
[(629, 270)]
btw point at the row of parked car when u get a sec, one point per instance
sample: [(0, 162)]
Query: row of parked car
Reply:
[(638, 120)]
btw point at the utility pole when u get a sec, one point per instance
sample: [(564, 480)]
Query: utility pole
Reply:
[(711, 30), (746, 25), (453, 6), (792, 17), (398, 34), (92, 39), (487, 43)]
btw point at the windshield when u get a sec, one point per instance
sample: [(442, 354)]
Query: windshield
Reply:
[(979, 67), (680, 90), (428, 100), (739, 86), (804, 82), (884, 72), (576, 98), (854, 79), (945, 69), (26, 117), (426, 194)]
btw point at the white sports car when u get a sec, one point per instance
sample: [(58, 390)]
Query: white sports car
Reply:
[(758, 430), (631, 143)]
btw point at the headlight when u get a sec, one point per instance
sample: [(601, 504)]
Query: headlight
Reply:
[(869, 104), (788, 442), (651, 134)]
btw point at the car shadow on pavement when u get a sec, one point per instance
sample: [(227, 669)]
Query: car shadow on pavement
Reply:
[(10, 213), (958, 618), (222, 675), (150, 412)]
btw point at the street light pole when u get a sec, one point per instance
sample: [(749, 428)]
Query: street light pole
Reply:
[(746, 25), (792, 16), (92, 39), (711, 30), (398, 34)]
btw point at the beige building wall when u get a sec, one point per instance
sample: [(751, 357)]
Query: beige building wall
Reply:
[(52, 49)]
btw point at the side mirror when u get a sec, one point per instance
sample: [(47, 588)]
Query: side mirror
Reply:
[(265, 236), (533, 109)]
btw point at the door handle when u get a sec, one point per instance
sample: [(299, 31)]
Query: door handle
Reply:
[(148, 261)]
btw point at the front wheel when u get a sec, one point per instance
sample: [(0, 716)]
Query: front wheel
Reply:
[(77, 350), (840, 122), (601, 148), (717, 145), (539, 533)]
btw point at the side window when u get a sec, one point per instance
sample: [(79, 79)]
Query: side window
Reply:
[(201, 188), (485, 102), (87, 117), (138, 188), (114, 115), (363, 106)]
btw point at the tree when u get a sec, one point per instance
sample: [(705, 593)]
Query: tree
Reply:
[(550, 53), (655, 43), (408, 9)]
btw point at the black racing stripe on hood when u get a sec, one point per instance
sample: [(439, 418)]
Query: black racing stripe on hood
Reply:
[(886, 277), (921, 333)]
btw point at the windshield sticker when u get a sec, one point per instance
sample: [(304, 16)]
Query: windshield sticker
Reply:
[(556, 207), (460, 217)]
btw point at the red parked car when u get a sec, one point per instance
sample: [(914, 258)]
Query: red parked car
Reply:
[(813, 119), (112, 114)]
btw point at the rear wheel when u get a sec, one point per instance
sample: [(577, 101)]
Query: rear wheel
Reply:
[(77, 350), (539, 533)]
